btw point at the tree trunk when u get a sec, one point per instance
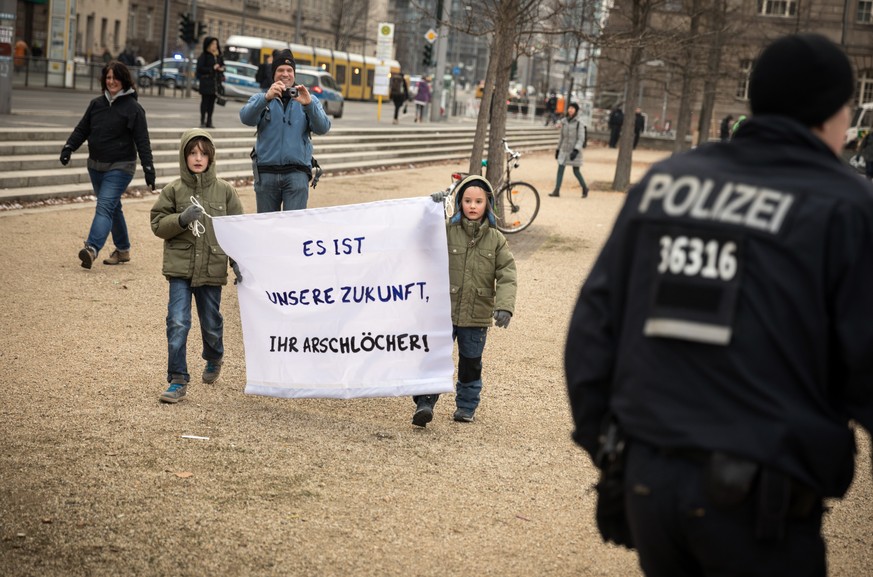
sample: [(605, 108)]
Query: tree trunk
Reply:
[(504, 43), (484, 118), (713, 66), (686, 98)]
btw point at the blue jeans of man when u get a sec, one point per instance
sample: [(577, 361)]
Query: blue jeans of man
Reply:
[(208, 300), (108, 217), (576, 172), (274, 192), (471, 344)]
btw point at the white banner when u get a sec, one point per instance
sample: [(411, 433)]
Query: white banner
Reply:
[(345, 301)]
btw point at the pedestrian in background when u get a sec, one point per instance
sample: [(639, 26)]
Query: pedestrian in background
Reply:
[(574, 137), (728, 349), (116, 130), (264, 75), (552, 108), (865, 149), (737, 124), (484, 284), (616, 119), (210, 74), (422, 98), (398, 91), (194, 263), (724, 132), (286, 116), (639, 126)]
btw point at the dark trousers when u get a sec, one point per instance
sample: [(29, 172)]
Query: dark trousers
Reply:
[(678, 532), (614, 133), (398, 104), (207, 106), (636, 138)]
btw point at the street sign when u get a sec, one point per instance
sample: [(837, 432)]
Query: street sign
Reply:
[(385, 41), (380, 80), (430, 35)]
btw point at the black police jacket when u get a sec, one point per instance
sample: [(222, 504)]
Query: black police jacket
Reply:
[(732, 307)]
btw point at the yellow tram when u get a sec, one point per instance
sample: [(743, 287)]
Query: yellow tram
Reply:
[(354, 73)]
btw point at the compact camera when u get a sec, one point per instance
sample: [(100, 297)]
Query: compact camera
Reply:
[(291, 92)]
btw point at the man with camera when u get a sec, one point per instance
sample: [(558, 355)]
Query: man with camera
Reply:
[(286, 116)]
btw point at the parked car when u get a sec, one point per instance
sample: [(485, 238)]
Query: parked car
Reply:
[(239, 80), (174, 73), (325, 88)]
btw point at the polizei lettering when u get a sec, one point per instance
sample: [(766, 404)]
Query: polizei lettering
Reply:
[(755, 207), (366, 343)]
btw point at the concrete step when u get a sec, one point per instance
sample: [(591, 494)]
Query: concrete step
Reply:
[(39, 175)]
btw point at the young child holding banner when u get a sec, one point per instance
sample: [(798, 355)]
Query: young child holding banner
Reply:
[(483, 286), (194, 263)]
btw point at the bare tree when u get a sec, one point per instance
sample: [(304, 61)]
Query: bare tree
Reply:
[(347, 19)]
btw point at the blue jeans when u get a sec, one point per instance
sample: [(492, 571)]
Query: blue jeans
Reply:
[(208, 299), (109, 186), (471, 344), (576, 172), (274, 192)]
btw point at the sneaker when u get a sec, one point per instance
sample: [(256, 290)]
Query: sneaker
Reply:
[(211, 372), (422, 416), (174, 393), (463, 416), (117, 257), (87, 255), (555, 193)]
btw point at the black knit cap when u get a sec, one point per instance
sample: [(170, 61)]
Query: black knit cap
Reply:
[(805, 76), (283, 57)]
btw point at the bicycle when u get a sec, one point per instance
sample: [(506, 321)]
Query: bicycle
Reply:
[(516, 203)]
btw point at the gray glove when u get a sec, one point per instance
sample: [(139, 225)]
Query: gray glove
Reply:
[(236, 273), (439, 196), (190, 214), (501, 318)]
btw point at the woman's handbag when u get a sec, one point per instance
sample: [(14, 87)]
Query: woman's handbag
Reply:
[(220, 100)]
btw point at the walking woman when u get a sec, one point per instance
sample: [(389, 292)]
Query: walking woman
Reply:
[(116, 130), (574, 137), (210, 71)]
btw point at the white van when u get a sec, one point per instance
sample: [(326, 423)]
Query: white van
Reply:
[(862, 123)]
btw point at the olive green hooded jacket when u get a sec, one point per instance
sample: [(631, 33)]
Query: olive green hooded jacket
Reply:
[(482, 271), (199, 259)]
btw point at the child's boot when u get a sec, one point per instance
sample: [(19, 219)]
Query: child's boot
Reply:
[(423, 409)]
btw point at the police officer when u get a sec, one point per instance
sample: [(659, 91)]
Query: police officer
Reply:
[(725, 334)]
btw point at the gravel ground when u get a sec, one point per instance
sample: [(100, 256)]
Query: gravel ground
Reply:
[(95, 478)]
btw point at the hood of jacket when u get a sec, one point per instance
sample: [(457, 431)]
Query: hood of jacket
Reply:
[(207, 177), (481, 182)]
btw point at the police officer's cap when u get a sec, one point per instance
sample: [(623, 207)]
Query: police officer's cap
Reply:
[(805, 76)]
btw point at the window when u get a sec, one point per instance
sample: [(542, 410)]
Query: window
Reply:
[(743, 82), (341, 73), (865, 11), (777, 7), (150, 24), (865, 86), (131, 21), (116, 35), (104, 23)]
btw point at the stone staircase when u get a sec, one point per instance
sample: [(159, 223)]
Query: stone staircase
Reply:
[(30, 170)]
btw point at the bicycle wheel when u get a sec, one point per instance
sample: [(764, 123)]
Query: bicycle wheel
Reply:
[(517, 206)]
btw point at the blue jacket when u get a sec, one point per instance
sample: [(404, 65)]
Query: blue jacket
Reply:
[(283, 132)]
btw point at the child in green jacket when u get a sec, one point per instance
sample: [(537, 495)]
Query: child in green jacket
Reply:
[(483, 286), (194, 263)]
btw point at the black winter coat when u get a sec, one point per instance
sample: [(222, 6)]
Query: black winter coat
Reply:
[(210, 78), (730, 309), (115, 132)]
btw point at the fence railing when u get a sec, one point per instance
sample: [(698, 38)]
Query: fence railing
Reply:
[(35, 72)]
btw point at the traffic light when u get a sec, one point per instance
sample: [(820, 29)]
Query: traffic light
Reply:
[(201, 30), (186, 29), (513, 71), (427, 54)]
